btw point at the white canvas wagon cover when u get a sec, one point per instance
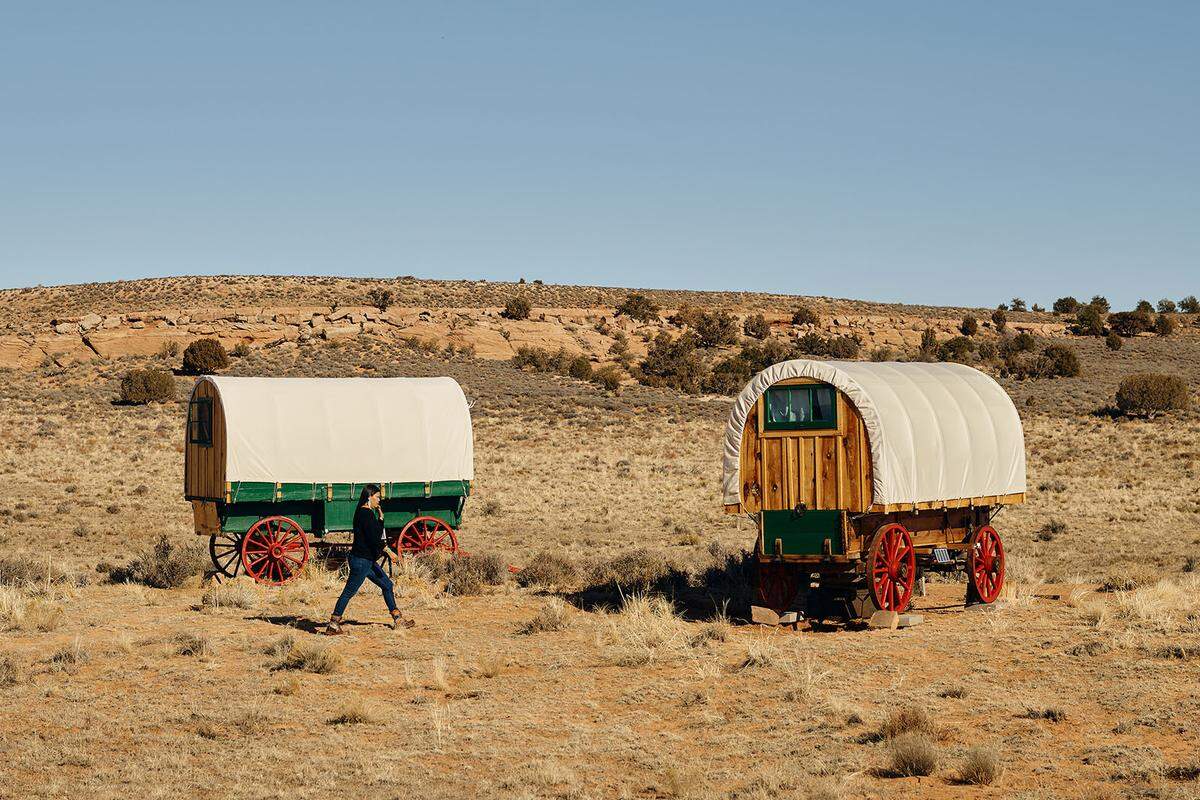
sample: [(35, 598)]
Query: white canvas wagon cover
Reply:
[(937, 431), (345, 430)]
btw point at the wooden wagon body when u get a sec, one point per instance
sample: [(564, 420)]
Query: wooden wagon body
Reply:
[(271, 462), (861, 475)]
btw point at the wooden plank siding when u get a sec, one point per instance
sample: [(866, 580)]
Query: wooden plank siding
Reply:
[(204, 467)]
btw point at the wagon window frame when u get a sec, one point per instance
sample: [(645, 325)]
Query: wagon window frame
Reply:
[(200, 418), (805, 394)]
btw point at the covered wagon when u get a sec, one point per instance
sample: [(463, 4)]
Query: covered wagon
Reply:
[(859, 476), (274, 466)]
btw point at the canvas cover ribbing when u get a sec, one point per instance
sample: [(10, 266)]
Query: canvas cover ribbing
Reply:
[(936, 431), (345, 430)]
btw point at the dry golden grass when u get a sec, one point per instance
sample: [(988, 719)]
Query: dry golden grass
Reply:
[(662, 694)]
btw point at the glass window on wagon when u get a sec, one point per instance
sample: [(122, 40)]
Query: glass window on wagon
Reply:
[(800, 407), (200, 421)]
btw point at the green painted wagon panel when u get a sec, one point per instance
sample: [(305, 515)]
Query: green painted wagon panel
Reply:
[(238, 517), (320, 516), (802, 533)]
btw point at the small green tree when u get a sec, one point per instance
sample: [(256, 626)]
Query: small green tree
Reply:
[(804, 315), (638, 307), (380, 297), (1089, 321), (1000, 320), (1130, 323), (1018, 304), (1064, 362), (516, 307), (969, 326), (1066, 305), (1165, 325), (1101, 303), (1166, 306), (929, 345), (716, 328), (756, 327), (141, 386), (1144, 306), (957, 349), (1190, 305), (204, 357)]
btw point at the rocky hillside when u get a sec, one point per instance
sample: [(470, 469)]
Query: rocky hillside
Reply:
[(111, 320)]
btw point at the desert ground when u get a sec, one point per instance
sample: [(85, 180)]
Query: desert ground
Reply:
[(1081, 682)]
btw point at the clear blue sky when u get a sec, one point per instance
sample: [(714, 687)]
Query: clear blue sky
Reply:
[(955, 152)]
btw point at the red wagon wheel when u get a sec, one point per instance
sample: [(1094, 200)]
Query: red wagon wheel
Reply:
[(777, 585), (985, 563), (225, 550), (274, 550), (892, 565), (424, 534)]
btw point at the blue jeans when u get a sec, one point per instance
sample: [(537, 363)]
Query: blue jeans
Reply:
[(362, 569)]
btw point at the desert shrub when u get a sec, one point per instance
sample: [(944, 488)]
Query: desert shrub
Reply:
[(716, 328), (756, 327), (728, 375), (906, 719), (10, 671), (380, 297), (829, 346), (290, 654), (22, 571), (673, 363), (1190, 305), (141, 386), (804, 315), (1149, 393), (468, 574), (1166, 306), (548, 569), (169, 349), (1089, 321), (580, 368), (204, 357), (1130, 323), (929, 345), (999, 320), (760, 356), (609, 377), (958, 349), (1165, 325), (1100, 303), (912, 754), (1064, 362), (1023, 342), (189, 643), (1017, 304), (1066, 305), (988, 351), (554, 616), (516, 307), (166, 565), (1144, 306), (620, 348), (241, 592), (240, 350), (633, 571), (1113, 342), (981, 766), (639, 307), (1049, 531), (882, 353), (686, 316), (969, 326)]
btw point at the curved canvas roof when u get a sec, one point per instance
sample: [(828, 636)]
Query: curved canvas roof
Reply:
[(936, 431), (345, 430)]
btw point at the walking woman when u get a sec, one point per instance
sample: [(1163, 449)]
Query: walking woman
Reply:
[(369, 545)]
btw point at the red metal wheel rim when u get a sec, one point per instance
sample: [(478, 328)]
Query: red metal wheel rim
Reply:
[(776, 586), (892, 565), (274, 550), (427, 533), (985, 564)]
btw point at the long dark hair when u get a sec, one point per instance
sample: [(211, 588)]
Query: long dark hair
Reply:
[(367, 491)]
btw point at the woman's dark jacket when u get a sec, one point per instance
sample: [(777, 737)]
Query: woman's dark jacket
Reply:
[(368, 534)]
